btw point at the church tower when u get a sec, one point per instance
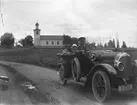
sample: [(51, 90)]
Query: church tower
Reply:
[(37, 35)]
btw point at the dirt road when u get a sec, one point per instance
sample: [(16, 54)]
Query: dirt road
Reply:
[(13, 95), (72, 94), (17, 94)]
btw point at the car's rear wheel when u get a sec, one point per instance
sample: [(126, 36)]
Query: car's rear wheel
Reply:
[(101, 86), (62, 72), (76, 71)]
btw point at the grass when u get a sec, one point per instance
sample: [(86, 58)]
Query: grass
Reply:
[(39, 56)]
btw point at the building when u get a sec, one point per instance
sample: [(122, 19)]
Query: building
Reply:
[(50, 41)]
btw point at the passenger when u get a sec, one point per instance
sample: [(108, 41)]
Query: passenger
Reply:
[(67, 50), (74, 48)]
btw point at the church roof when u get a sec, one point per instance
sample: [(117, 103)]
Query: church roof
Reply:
[(36, 29), (51, 37)]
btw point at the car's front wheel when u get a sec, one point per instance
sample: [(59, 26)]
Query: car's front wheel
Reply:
[(101, 85)]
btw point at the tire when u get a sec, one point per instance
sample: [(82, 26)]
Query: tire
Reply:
[(76, 70), (100, 92), (62, 73)]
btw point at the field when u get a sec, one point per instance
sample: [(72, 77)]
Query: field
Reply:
[(39, 56)]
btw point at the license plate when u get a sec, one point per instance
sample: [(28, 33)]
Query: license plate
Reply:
[(125, 87)]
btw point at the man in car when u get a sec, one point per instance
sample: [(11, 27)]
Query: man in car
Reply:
[(81, 43)]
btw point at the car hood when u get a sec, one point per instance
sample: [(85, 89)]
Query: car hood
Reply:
[(105, 55), (111, 57)]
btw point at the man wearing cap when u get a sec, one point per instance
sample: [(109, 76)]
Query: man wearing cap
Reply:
[(81, 43)]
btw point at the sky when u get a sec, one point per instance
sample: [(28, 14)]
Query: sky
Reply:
[(97, 20)]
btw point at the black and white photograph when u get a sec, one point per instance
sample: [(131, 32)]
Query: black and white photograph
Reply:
[(68, 52)]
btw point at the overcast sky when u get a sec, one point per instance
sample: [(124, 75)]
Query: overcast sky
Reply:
[(97, 20)]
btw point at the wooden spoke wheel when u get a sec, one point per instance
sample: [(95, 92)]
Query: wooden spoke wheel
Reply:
[(101, 86), (76, 71)]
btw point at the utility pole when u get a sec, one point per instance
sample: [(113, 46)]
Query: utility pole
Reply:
[(1, 12)]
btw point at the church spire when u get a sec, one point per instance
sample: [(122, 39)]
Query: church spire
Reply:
[(37, 25), (37, 30)]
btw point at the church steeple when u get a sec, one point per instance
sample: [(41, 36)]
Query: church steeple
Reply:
[(37, 30), (37, 35), (37, 25)]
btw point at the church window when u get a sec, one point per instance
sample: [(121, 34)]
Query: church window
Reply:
[(37, 32), (57, 42), (52, 42), (47, 42)]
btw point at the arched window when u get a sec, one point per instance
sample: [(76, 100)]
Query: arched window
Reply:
[(57, 42), (52, 42), (47, 42), (37, 32)]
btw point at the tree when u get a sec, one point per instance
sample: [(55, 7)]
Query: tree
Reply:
[(113, 44), (7, 40), (99, 45), (117, 43), (93, 45), (124, 45), (105, 45), (22, 42), (67, 39), (27, 41), (87, 45)]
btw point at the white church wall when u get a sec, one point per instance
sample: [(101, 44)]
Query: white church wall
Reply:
[(36, 40), (51, 42)]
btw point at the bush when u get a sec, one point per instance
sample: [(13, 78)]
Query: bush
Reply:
[(27, 41), (7, 40)]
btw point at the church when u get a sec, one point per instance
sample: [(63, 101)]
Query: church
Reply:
[(49, 41)]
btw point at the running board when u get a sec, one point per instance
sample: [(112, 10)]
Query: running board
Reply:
[(81, 82)]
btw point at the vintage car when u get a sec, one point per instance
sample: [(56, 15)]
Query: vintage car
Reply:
[(101, 70)]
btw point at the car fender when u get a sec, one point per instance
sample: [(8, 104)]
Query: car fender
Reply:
[(108, 68)]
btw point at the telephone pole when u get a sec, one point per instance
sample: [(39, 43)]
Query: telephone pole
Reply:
[(1, 12)]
